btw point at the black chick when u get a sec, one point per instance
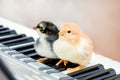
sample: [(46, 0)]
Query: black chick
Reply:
[(48, 33)]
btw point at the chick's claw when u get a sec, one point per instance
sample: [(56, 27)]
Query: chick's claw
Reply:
[(42, 59), (70, 70), (65, 62), (61, 61)]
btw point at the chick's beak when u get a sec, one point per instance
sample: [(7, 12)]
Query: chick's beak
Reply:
[(35, 28), (61, 33)]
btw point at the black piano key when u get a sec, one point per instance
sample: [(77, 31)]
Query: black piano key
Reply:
[(71, 65), (100, 75), (3, 29), (7, 32), (59, 68), (27, 50), (116, 77), (30, 51), (1, 37), (1, 26), (51, 62), (32, 54), (22, 47), (19, 41), (36, 57), (87, 71), (12, 37)]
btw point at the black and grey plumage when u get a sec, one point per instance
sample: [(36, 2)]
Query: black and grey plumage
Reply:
[(48, 33)]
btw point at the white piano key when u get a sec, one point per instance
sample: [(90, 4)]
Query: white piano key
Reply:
[(12, 52), (61, 76), (1, 45), (50, 71), (65, 72), (18, 77), (18, 56), (39, 66), (46, 77), (37, 77), (28, 77), (27, 60), (5, 49)]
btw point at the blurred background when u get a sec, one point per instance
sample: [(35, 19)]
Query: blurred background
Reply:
[(100, 19)]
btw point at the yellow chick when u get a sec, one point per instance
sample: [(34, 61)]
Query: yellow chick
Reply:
[(74, 46)]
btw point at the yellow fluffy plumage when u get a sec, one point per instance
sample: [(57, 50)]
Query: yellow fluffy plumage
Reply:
[(73, 45)]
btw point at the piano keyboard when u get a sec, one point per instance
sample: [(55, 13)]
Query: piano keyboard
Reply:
[(18, 53)]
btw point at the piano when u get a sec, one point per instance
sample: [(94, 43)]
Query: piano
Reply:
[(18, 54)]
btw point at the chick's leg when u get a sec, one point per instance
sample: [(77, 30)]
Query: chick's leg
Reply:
[(65, 62), (42, 59), (60, 61), (75, 69)]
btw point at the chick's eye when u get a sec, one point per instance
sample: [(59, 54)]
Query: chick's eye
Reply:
[(42, 28), (69, 31)]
